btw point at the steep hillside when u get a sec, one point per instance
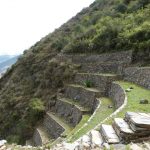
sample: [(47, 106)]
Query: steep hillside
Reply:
[(106, 26)]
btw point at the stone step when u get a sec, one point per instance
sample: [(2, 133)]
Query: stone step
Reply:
[(122, 129), (96, 139), (70, 110), (41, 136), (139, 123), (100, 81), (109, 134), (83, 95), (56, 125), (85, 142)]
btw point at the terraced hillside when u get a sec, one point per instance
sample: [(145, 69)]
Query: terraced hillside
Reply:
[(121, 96), (92, 99), (64, 78)]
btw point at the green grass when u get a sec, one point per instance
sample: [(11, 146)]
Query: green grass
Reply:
[(75, 103), (100, 115), (99, 74), (134, 98), (84, 120)]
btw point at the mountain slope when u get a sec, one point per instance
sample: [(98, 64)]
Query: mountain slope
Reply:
[(106, 26)]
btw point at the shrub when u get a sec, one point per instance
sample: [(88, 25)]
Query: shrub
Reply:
[(36, 109), (13, 139), (121, 8), (77, 46), (88, 83), (143, 3)]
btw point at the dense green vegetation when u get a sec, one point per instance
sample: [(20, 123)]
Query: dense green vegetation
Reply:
[(107, 25)]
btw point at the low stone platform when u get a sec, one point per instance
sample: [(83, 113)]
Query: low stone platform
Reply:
[(109, 134), (139, 123), (123, 129)]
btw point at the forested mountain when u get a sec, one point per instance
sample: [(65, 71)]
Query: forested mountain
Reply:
[(105, 26)]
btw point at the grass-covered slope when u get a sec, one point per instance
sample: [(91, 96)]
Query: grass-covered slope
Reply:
[(107, 25), (133, 99)]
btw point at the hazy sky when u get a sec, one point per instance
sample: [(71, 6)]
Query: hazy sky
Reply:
[(24, 22)]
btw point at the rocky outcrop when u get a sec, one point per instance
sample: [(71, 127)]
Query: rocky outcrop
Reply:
[(117, 94), (138, 75)]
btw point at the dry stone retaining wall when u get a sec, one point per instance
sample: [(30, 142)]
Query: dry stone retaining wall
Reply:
[(124, 56), (101, 82), (68, 111), (103, 67), (54, 129), (37, 138), (85, 97), (111, 57), (138, 75), (117, 94)]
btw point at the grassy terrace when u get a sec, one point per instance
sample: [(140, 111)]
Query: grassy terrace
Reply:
[(102, 112), (99, 74), (134, 98)]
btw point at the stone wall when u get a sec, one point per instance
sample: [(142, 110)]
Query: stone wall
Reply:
[(37, 138), (54, 129), (124, 56), (99, 81), (102, 67), (117, 94), (85, 97), (68, 111), (138, 75)]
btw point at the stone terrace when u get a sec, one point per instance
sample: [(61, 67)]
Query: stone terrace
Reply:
[(95, 79)]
